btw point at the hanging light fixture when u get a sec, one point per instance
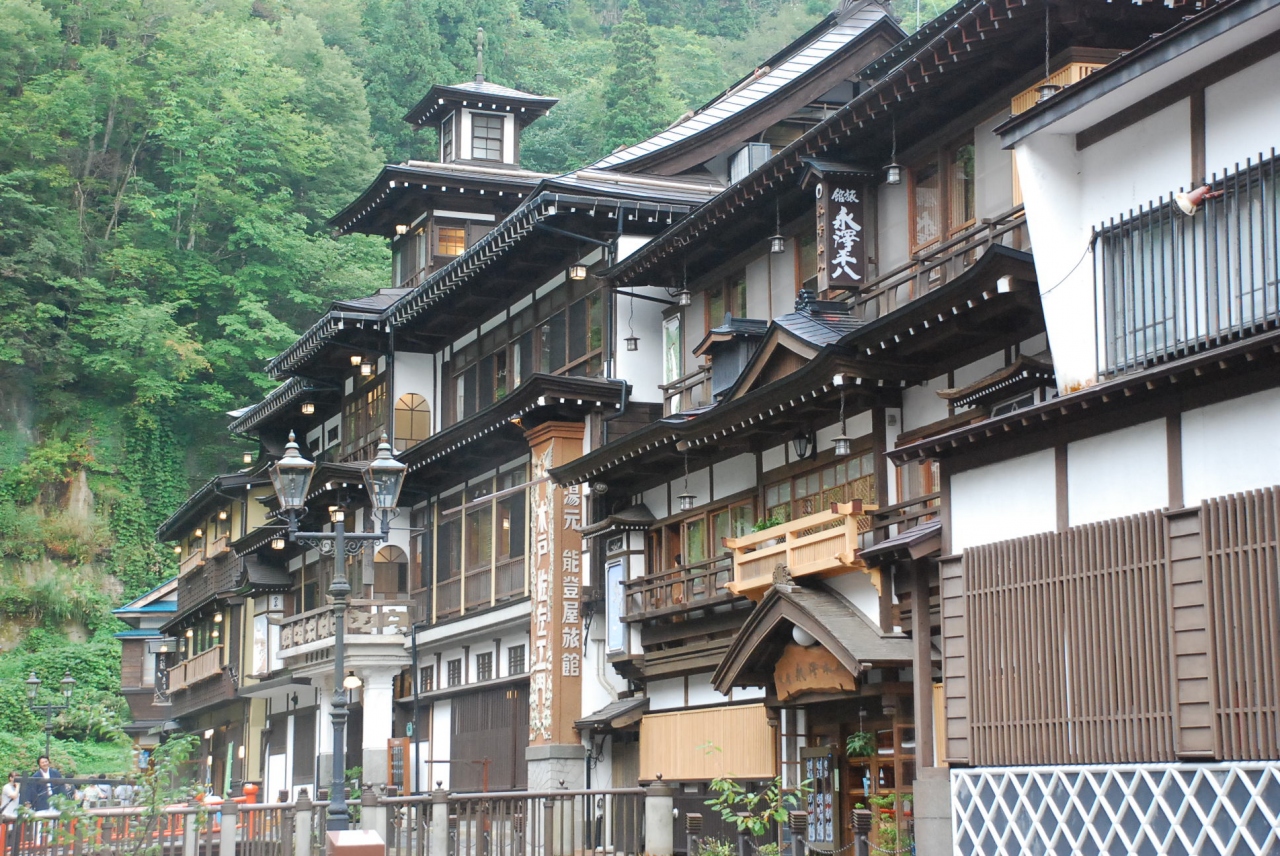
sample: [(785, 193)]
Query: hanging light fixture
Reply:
[(177, 551), (222, 514), (632, 340), (893, 172), (366, 369), (356, 359), (247, 457), (199, 533), (277, 543), (1047, 89), (686, 499), (802, 443), (402, 229), (777, 243), (217, 618), (336, 514), (683, 296), (577, 273), (844, 445), (308, 408)]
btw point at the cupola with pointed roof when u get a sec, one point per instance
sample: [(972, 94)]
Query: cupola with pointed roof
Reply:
[(478, 122)]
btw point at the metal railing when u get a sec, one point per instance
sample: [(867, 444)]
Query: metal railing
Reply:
[(519, 823), (936, 265), (177, 830), (364, 618), (1167, 284), (265, 829), (679, 589)]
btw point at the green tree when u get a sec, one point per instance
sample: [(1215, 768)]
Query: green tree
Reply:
[(635, 99)]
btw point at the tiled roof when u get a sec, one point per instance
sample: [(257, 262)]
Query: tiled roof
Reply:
[(744, 97), (820, 322)]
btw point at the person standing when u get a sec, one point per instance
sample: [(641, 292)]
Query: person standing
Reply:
[(10, 798), (40, 786)]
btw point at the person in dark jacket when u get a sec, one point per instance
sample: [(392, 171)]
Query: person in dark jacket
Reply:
[(39, 790)]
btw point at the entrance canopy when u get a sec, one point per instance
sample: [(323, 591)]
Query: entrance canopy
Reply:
[(855, 641)]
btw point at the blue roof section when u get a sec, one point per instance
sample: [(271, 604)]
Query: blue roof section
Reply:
[(139, 634), (150, 601)]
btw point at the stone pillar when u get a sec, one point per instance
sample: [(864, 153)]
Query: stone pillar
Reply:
[(932, 807), (378, 697), (555, 751), (324, 731), (659, 820), (438, 836), (227, 838), (302, 825), (373, 815)]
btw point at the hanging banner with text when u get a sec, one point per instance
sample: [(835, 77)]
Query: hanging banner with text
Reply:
[(841, 251)]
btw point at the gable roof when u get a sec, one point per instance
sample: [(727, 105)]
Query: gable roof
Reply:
[(822, 46), (477, 93)]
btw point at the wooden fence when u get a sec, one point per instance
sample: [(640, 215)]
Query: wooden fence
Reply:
[(1154, 637)]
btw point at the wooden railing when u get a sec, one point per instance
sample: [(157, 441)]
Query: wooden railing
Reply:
[(816, 545), (679, 589), (190, 563), (216, 547), (202, 666), (685, 393), (364, 618), (895, 519), (938, 264)]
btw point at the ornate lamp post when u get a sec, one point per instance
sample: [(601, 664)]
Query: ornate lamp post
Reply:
[(383, 478), (68, 685)]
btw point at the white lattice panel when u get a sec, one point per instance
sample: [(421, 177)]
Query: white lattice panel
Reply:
[(1156, 809)]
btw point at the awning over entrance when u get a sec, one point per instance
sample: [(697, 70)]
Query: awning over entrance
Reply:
[(855, 641), (915, 543), (615, 715)]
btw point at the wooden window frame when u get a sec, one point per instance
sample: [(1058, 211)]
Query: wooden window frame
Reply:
[(448, 141), (488, 141), (730, 288), (944, 158), (438, 240)]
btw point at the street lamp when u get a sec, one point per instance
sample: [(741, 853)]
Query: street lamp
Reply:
[(68, 685), (383, 478)]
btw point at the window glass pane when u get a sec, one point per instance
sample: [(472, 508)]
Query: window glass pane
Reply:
[(500, 388), (672, 350), (480, 537), (413, 420), (808, 248), (553, 343), (595, 322), (578, 330), (511, 527), (449, 550), (486, 137), (485, 381), (721, 528), (743, 518), (928, 204), (450, 240), (961, 181), (695, 541), (470, 395), (446, 139)]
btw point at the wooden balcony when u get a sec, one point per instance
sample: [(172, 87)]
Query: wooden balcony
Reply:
[(935, 265), (692, 390), (190, 563), (817, 545), (679, 590), (216, 547), (202, 666), (1072, 72), (364, 618)]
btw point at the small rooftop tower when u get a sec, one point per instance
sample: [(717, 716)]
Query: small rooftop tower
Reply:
[(479, 122)]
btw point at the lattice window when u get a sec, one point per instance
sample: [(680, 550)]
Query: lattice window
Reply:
[(1156, 809)]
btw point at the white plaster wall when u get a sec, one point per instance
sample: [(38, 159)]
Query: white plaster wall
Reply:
[(1048, 171), (1006, 500), (666, 695), (782, 282), (774, 458), (921, 404), (1067, 193), (734, 475), (992, 170), (1242, 116), (441, 738), (892, 229), (692, 330), (746, 693), (628, 244), (1116, 474), (979, 369), (702, 693), (856, 588), (1034, 345), (757, 288), (655, 499), (1231, 447), (641, 368)]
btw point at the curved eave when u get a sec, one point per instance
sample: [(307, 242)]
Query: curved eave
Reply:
[(313, 341)]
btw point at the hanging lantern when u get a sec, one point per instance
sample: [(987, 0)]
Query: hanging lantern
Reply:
[(577, 272), (356, 359), (277, 543), (633, 342), (684, 297), (893, 174), (247, 457), (844, 447), (222, 514), (366, 369), (686, 501), (308, 408)]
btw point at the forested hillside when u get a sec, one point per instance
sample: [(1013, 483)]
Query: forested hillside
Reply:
[(166, 168)]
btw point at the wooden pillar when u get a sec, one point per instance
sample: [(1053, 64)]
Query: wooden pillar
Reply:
[(922, 662), (555, 632)]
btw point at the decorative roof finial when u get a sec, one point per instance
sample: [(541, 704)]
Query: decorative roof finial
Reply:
[(479, 54)]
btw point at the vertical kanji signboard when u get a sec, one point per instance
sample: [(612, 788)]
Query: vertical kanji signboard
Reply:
[(841, 252), (555, 630)]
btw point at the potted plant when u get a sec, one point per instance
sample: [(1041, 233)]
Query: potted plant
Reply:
[(860, 744), (768, 523)]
